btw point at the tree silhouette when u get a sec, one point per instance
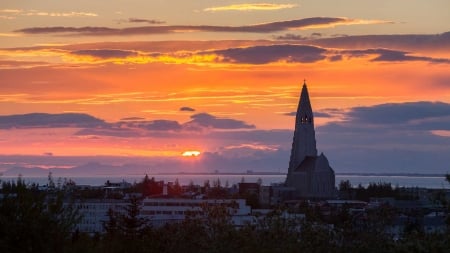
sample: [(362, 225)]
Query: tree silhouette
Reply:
[(35, 221)]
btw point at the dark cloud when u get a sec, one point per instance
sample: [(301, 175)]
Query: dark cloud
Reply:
[(409, 42), (322, 115), (404, 113), (298, 37), (148, 21), (258, 28), (113, 132), (389, 137), (292, 53), (97, 31), (82, 166), (335, 58), (49, 120), (382, 138), (137, 127), (339, 35), (161, 125), (64, 29), (153, 125), (105, 53), (199, 121), (132, 119), (273, 53), (293, 114), (291, 36), (210, 121), (187, 109), (393, 55)]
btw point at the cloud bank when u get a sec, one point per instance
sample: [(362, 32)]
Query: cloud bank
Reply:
[(274, 53), (397, 137), (305, 23), (45, 120), (394, 137)]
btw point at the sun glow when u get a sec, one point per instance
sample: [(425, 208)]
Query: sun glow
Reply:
[(191, 153)]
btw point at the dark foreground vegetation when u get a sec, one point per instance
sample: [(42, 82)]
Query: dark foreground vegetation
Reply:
[(33, 221)]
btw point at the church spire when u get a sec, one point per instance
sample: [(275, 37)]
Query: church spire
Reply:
[(304, 141), (304, 109)]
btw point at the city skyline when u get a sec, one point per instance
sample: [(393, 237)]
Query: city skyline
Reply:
[(219, 82)]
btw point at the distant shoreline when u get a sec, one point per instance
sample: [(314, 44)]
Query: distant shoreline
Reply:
[(268, 174), (255, 173)]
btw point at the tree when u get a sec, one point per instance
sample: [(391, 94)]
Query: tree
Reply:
[(447, 205), (34, 221), (175, 189), (345, 189), (111, 226), (217, 191), (130, 223), (126, 229), (219, 229)]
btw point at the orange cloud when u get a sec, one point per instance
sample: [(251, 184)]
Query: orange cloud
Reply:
[(161, 83), (345, 21), (227, 58), (19, 12)]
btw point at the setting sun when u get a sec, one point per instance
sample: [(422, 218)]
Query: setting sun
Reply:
[(191, 153)]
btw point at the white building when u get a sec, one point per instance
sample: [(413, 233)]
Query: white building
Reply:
[(94, 213), (161, 211)]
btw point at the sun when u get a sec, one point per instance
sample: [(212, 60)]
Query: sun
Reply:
[(191, 153)]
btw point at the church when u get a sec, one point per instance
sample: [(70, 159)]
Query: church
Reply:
[(309, 174)]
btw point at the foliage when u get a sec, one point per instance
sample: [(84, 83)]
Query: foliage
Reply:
[(34, 221), (373, 190)]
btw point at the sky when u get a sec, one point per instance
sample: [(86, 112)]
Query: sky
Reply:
[(144, 82)]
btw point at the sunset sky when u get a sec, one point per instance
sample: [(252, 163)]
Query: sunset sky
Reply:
[(142, 82)]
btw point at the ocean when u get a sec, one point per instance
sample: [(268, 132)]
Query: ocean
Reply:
[(422, 181)]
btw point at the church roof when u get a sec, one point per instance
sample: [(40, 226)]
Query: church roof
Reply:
[(313, 163), (307, 164)]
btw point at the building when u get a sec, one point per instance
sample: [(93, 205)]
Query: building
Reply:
[(94, 213), (310, 174), (161, 211), (249, 189)]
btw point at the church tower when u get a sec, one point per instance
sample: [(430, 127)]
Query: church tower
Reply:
[(304, 142), (309, 175)]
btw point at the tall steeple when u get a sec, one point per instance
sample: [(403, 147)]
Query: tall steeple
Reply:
[(304, 142)]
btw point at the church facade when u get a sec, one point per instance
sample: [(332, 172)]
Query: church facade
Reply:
[(309, 174)]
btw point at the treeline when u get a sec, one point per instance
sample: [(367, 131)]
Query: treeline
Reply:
[(31, 221), (37, 221), (34, 221), (279, 231), (374, 190)]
